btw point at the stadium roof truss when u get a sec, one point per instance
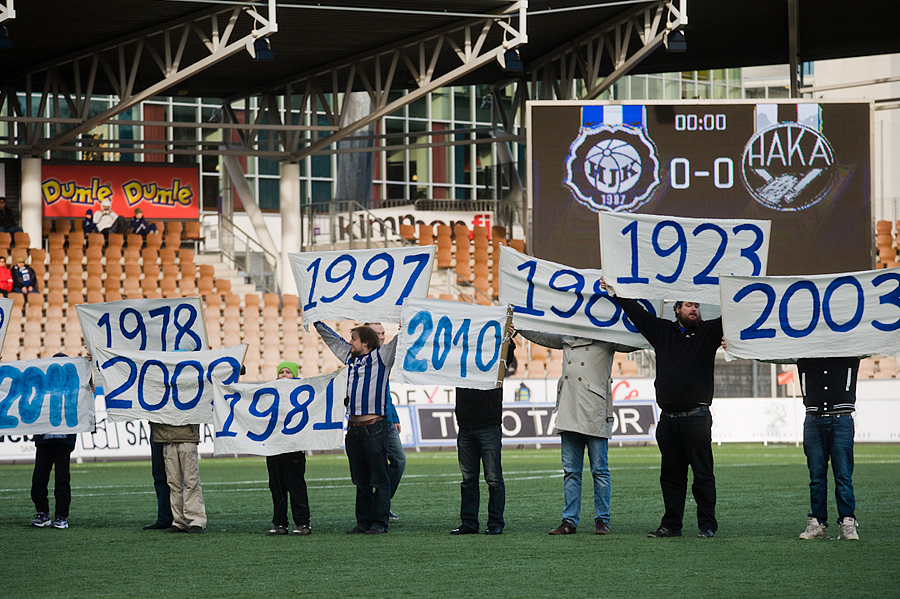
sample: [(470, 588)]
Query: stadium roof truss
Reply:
[(280, 119)]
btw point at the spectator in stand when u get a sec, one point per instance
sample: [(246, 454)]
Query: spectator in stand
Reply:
[(287, 473), (140, 225), (24, 279), (108, 221), (6, 279), (87, 223), (8, 221)]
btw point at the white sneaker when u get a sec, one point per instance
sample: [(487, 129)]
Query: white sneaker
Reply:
[(848, 529), (815, 530)]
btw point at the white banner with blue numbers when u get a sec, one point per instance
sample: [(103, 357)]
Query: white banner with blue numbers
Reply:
[(664, 257), (46, 397), (165, 387), (281, 416), (553, 298), (821, 316), (452, 343), (362, 285)]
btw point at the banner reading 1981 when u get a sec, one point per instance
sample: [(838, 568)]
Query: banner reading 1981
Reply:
[(822, 316), (363, 285), (664, 257), (281, 416)]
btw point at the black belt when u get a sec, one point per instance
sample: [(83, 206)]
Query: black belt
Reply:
[(830, 414), (698, 411)]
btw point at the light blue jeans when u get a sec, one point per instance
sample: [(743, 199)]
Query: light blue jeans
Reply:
[(573, 445)]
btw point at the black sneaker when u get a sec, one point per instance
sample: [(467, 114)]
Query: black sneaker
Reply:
[(706, 533), (664, 532)]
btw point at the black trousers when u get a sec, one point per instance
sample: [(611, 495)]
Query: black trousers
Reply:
[(160, 484), (48, 456), (687, 441), (286, 476)]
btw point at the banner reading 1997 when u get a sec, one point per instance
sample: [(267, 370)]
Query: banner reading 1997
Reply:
[(452, 343), (281, 416), (363, 285), (166, 387), (554, 298), (822, 316), (663, 257), (46, 396)]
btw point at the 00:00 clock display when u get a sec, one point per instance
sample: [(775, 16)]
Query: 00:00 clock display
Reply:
[(693, 122)]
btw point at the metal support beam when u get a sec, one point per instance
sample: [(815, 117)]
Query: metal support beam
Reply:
[(793, 37), (136, 67), (614, 47)]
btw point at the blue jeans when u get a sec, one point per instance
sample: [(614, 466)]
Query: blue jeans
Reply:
[(824, 438), (573, 445), (396, 458), (367, 453), (476, 446)]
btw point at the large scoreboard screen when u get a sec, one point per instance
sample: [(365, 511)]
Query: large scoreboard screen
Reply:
[(804, 165)]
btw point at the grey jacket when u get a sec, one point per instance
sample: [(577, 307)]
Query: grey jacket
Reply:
[(584, 393)]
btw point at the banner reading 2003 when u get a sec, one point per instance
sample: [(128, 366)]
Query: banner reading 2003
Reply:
[(364, 285), (777, 318)]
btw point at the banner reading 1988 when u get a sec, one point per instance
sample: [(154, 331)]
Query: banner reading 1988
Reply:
[(804, 165)]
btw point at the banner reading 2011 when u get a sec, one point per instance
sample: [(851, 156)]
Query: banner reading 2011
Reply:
[(663, 257), (166, 387), (281, 416), (46, 396), (554, 298), (452, 343), (822, 316), (363, 285)]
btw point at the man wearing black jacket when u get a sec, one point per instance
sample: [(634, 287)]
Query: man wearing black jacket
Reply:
[(685, 360)]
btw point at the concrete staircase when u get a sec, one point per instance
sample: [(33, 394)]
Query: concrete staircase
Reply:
[(239, 284)]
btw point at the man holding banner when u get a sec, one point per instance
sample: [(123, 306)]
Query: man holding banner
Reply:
[(367, 431), (685, 360), (183, 474)]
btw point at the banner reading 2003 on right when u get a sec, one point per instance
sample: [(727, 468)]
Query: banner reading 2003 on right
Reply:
[(804, 165)]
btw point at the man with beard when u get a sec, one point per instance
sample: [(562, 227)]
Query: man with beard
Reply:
[(685, 360)]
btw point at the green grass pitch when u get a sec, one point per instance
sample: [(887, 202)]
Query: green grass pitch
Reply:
[(762, 506)]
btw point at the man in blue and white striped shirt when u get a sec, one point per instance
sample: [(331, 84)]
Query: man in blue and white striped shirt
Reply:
[(367, 437)]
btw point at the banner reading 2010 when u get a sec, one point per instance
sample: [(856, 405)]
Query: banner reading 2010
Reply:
[(46, 396), (452, 343)]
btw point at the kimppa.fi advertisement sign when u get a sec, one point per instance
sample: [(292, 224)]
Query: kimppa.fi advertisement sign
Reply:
[(69, 190)]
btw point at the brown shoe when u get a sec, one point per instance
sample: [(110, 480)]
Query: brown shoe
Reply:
[(566, 528), (602, 527)]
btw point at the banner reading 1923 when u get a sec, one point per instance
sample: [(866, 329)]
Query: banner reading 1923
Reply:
[(663, 257), (46, 396), (821, 316), (554, 298), (281, 416), (166, 387), (364, 285), (452, 343)]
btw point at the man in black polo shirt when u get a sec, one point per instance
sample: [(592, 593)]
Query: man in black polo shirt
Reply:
[(685, 360), (829, 394)]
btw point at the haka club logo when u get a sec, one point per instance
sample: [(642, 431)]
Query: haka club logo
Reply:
[(612, 168), (788, 167)]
